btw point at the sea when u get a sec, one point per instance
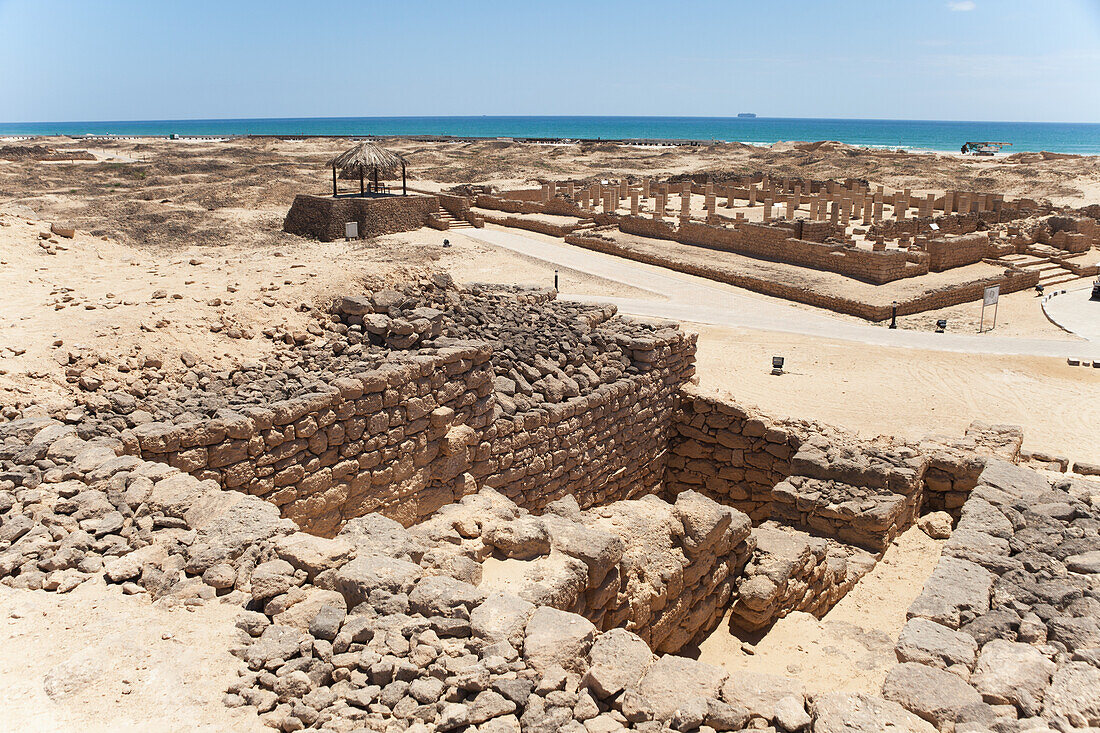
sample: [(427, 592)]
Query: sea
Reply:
[(912, 135)]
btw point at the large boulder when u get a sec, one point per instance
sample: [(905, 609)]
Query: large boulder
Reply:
[(501, 617), (358, 578), (847, 712), (618, 660), (1011, 673), (957, 592), (1073, 698), (933, 694), (930, 643), (670, 684), (373, 534), (554, 637), (760, 692), (313, 554), (440, 595)]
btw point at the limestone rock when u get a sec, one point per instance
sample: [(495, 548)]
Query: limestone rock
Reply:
[(1085, 563), (1074, 697), (1010, 673), (501, 617), (930, 643), (358, 578), (955, 593), (936, 525), (759, 692), (554, 637), (846, 712), (933, 694), (672, 681), (313, 554), (618, 660)]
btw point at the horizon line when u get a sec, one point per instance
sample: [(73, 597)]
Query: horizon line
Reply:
[(535, 116)]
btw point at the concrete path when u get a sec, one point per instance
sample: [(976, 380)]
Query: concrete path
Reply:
[(697, 300), (1075, 312)]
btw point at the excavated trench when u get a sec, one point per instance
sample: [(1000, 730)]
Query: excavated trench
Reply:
[(484, 507), (612, 487)]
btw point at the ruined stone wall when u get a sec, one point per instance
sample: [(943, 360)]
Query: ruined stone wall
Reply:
[(791, 571), (375, 442), (427, 426), (532, 225), (945, 254), (324, 217), (1011, 281), (607, 445), (665, 571), (723, 451)]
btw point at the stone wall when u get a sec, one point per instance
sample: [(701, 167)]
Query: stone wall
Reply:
[(380, 441), (324, 217), (723, 451), (432, 423), (664, 571), (607, 445), (1005, 629), (791, 571), (1011, 281)]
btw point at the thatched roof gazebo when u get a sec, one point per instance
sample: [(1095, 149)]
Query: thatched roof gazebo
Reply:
[(368, 157)]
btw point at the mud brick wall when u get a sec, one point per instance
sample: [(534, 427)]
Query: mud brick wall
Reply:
[(324, 217), (604, 446), (381, 442), (724, 452), (794, 571)]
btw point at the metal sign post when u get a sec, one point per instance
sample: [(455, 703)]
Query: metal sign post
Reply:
[(991, 297)]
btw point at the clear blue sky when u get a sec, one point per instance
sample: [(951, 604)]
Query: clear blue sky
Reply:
[(1025, 60)]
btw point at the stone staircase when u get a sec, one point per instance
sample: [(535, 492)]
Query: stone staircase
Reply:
[(585, 224), (452, 221), (1051, 274)]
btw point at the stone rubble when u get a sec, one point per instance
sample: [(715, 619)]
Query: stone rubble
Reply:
[(498, 610)]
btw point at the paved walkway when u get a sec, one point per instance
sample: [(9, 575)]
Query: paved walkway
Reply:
[(696, 300), (1075, 312)]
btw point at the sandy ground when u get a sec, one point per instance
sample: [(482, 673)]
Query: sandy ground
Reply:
[(96, 660), (202, 221), (905, 392), (852, 646)]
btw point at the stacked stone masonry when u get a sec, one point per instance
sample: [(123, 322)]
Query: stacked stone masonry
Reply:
[(529, 606)]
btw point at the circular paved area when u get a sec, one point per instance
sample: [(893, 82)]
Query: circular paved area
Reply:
[(1074, 312)]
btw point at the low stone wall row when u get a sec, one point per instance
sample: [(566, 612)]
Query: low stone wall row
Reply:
[(1011, 281), (775, 243)]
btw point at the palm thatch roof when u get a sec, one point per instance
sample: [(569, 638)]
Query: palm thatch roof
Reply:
[(366, 156)]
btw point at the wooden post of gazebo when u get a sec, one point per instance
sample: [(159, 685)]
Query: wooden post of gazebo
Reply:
[(404, 192), (376, 179), (334, 179), (361, 191)]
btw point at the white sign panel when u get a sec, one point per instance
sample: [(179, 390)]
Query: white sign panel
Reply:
[(991, 295), (351, 231)]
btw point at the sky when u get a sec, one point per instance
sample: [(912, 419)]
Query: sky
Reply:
[(1012, 60)]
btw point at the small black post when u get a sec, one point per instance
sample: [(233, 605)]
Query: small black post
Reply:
[(404, 192), (894, 316), (334, 180), (555, 279)]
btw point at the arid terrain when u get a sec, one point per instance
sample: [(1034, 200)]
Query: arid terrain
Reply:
[(179, 258)]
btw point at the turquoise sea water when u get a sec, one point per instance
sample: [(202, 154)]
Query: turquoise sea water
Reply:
[(908, 134)]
